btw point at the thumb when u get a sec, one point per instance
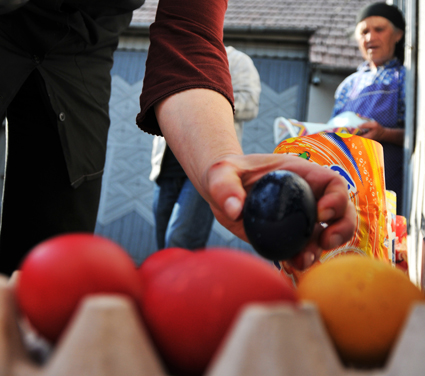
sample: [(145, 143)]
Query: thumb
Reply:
[(225, 189)]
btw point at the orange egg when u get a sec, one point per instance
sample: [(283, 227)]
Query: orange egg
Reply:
[(363, 303)]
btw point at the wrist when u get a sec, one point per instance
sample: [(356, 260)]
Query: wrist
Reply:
[(393, 136)]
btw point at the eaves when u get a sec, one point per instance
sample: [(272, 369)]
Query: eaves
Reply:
[(246, 32)]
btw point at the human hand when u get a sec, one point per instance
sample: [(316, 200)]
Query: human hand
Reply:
[(373, 130), (228, 180)]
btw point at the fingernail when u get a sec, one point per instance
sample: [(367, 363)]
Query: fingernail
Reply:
[(335, 241), (309, 258), (326, 215), (233, 207)]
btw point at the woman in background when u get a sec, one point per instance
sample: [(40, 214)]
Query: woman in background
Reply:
[(377, 90)]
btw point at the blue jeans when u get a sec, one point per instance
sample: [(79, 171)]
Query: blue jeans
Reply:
[(183, 218)]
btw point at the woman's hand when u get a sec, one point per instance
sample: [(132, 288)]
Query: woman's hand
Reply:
[(228, 180), (373, 130), (377, 132)]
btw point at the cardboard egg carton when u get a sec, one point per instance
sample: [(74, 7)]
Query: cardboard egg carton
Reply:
[(107, 338)]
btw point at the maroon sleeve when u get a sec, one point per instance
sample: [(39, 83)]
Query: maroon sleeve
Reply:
[(186, 52)]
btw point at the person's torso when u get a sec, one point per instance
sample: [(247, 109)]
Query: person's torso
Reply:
[(378, 95)]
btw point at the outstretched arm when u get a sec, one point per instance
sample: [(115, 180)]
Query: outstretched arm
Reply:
[(198, 126), (187, 96)]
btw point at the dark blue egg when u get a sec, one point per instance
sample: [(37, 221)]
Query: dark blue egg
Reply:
[(279, 215)]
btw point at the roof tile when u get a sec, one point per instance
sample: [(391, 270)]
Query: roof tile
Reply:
[(330, 19)]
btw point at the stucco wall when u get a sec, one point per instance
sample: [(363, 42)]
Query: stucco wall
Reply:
[(321, 97)]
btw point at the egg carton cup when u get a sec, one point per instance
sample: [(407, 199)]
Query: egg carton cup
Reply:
[(107, 338)]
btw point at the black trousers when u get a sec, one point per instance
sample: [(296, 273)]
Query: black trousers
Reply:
[(39, 201)]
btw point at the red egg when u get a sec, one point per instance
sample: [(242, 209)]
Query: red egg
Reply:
[(159, 260), (190, 303), (59, 272)]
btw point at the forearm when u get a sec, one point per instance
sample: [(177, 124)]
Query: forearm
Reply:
[(377, 132), (393, 136), (198, 127)]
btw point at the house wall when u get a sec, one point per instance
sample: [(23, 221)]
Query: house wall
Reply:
[(321, 97)]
